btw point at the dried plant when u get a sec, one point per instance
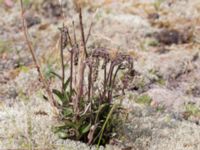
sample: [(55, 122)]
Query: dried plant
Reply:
[(85, 98), (32, 51)]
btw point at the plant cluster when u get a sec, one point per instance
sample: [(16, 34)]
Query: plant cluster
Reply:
[(85, 98)]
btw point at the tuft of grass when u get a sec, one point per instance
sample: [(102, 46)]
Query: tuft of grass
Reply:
[(152, 42), (47, 71), (192, 110), (160, 108), (5, 46), (157, 77), (144, 99), (161, 81), (141, 83), (24, 69)]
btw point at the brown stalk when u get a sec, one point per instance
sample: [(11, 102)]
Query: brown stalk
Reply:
[(89, 84), (105, 83), (62, 57), (115, 74), (81, 65), (91, 25), (69, 37), (73, 55), (81, 69), (89, 32), (71, 71), (82, 31), (75, 40), (31, 49), (109, 80), (112, 82)]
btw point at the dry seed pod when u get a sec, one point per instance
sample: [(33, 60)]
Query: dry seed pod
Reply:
[(64, 39), (90, 62), (102, 53), (126, 60), (96, 70), (76, 55), (104, 63)]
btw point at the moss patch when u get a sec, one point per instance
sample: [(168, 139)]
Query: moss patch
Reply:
[(192, 109), (144, 99)]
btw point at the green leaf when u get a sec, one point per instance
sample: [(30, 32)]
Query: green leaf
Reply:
[(101, 107), (63, 135), (25, 2), (63, 97), (57, 75), (24, 69), (67, 83), (74, 125), (45, 97), (58, 93), (144, 99), (85, 129), (67, 112), (105, 123), (73, 92), (59, 102), (59, 128)]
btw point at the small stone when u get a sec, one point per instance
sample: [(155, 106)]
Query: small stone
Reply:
[(12, 93), (31, 21), (153, 16)]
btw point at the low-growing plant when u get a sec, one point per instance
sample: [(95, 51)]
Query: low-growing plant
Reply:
[(192, 109), (144, 99), (85, 100)]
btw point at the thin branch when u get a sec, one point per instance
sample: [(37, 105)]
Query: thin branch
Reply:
[(62, 57), (81, 66), (109, 80), (69, 37), (82, 32), (89, 32), (89, 84), (105, 83), (71, 71), (31, 49), (112, 82), (74, 31), (91, 25), (115, 74)]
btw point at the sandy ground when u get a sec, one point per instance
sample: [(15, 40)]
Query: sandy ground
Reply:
[(163, 37)]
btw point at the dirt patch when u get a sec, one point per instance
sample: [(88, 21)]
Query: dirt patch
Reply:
[(171, 36)]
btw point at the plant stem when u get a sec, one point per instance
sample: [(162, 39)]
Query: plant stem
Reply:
[(82, 31), (89, 33), (105, 83), (69, 37), (89, 84), (105, 123), (74, 30), (112, 82), (71, 72), (81, 65), (115, 74), (62, 59), (90, 28), (31, 49), (109, 80)]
